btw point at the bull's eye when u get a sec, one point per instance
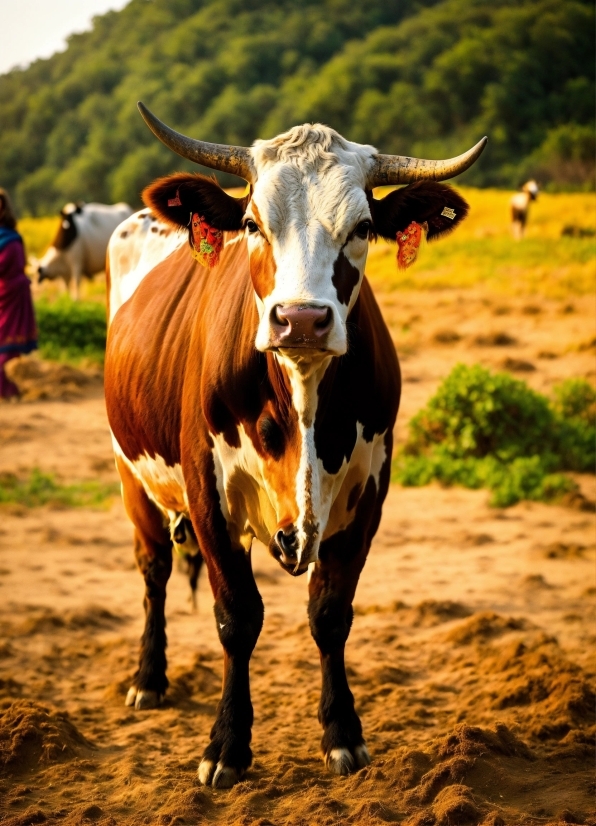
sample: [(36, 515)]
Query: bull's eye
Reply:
[(363, 229), (251, 226), (272, 437)]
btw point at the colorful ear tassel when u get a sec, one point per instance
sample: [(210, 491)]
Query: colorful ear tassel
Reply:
[(207, 242), (408, 242)]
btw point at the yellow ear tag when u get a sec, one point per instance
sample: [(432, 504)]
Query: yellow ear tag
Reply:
[(408, 243)]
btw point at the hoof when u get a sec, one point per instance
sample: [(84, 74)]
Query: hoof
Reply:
[(217, 776), (362, 756), (343, 761), (142, 699), (206, 771)]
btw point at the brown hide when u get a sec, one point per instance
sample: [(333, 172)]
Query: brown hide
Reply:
[(181, 359)]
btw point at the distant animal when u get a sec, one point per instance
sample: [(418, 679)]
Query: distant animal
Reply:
[(252, 388), (574, 231), (520, 205), (79, 247)]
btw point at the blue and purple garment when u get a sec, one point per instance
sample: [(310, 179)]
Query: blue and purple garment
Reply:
[(18, 331)]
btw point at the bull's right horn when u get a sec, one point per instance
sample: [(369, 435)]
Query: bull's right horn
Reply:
[(220, 156), (399, 169)]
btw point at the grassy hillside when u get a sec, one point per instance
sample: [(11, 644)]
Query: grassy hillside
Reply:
[(425, 77)]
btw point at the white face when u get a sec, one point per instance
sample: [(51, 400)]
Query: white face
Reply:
[(306, 232)]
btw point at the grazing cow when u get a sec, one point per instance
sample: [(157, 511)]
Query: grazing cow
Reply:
[(80, 245), (256, 398), (520, 205)]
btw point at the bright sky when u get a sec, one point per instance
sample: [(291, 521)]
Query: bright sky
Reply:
[(37, 28)]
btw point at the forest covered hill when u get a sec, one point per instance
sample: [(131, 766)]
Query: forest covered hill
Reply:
[(421, 77)]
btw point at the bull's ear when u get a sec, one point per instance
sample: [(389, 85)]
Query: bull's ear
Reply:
[(437, 205), (176, 197)]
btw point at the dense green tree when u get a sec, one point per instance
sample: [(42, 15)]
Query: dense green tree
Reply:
[(424, 77)]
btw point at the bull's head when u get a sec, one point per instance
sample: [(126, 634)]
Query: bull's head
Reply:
[(308, 219)]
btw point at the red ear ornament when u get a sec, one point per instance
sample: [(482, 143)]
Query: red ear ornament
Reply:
[(408, 242), (207, 242)]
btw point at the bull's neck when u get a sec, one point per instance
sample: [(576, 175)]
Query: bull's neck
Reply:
[(305, 375)]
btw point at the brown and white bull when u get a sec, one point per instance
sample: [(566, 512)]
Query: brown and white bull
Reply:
[(80, 244), (258, 398)]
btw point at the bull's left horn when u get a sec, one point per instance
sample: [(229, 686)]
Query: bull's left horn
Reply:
[(399, 169), (220, 156)]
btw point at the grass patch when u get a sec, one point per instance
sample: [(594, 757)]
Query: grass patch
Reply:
[(489, 430), (42, 489), (481, 252), (71, 330)]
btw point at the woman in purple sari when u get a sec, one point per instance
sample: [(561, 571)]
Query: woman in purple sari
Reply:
[(18, 332)]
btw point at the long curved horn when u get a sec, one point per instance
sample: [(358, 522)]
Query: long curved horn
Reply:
[(399, 169), (220, 156)]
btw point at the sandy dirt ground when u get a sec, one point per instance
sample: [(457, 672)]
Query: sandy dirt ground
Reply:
[(471, 656)]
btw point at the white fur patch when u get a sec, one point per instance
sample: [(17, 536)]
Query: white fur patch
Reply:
[(134, 250), (164, 485)]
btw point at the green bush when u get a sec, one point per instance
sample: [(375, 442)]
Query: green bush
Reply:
[(490, 430), (71, 329)]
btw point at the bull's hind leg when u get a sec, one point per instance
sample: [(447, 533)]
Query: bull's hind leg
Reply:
[(153, 552), (331, 590)]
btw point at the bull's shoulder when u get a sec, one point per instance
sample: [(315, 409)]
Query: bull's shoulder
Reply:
[(181, 322), (360, 392), (136, 247), (146, 356)]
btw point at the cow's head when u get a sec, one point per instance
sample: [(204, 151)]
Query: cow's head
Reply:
[(531, 187), (56, 263), (308, 219)]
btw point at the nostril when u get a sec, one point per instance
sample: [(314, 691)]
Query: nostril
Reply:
[(287, 542), (279, 317), (325, 321)]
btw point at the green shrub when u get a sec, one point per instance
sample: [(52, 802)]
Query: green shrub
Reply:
[(575, 398), (42, 489), (71, 329), (490, 430)]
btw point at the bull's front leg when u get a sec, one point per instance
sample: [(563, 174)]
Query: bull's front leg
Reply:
[(331, 591), (239, 618)]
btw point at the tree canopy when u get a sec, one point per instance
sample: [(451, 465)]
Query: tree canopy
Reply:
[(415, 77)]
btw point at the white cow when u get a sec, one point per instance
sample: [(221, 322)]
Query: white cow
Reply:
[(80, 245), (520, 205)]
